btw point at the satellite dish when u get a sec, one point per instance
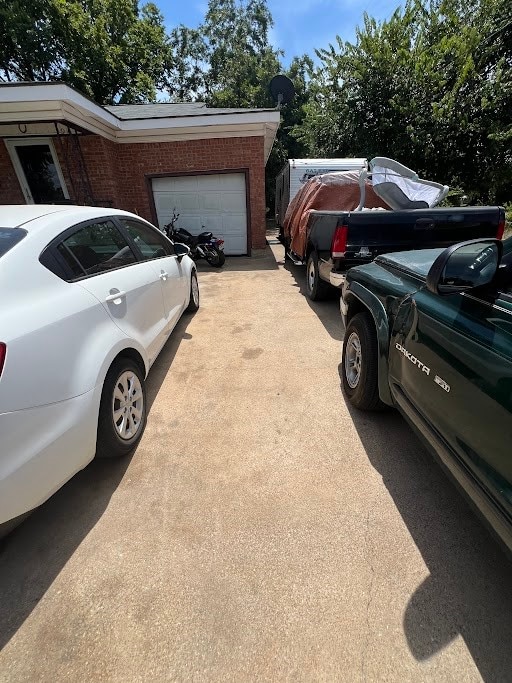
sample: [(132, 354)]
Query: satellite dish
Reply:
[(282, 90)]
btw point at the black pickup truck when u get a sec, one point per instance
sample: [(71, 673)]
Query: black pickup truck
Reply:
[(338, 240)]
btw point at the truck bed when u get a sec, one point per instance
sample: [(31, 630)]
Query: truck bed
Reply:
[(371, 233)]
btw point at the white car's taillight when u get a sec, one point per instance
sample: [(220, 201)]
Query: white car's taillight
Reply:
[(3, 353)]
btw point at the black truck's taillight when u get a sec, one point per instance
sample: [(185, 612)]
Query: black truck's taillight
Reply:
[(501, 228), (339, 241), (3, 353)]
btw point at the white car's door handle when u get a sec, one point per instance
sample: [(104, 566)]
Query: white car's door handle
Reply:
[(163, 275), (115, 298)]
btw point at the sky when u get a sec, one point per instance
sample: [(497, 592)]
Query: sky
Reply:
[(300, 26)]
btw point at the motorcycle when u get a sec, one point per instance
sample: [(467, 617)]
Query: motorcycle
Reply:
[(204, 245)]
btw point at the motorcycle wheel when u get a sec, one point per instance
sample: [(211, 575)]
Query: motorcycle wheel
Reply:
[(215, 257)]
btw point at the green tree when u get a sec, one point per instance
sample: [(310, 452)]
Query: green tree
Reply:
[(111, 50), (31, 46), (240, 60), (227, 61), (184, 77), (430, 87)]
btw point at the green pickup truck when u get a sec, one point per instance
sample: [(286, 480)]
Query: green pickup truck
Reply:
[(430, 332)]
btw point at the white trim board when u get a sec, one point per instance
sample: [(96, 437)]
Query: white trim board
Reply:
[(50, 102)]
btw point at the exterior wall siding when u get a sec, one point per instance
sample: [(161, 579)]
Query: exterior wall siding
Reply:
[(118, 172)]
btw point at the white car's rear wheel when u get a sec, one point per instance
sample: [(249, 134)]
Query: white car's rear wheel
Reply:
[(193, 304), (122, 417)]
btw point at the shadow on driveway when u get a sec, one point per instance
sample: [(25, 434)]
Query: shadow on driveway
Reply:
[(468, 592), (328, 311), (32, 556), (261, 259)]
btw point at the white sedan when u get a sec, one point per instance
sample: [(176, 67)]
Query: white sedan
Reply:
[(89, 297)]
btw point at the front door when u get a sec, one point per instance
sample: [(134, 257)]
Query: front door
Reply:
[(38, 170)]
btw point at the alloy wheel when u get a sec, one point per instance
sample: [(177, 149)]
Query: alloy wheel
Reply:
[(127, 406), (353, 359), (311, 275), (195, 290)]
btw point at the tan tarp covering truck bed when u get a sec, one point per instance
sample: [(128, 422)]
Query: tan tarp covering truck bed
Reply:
[(337, 191)]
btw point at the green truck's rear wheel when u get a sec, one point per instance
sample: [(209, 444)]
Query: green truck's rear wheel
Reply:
[(360, 363)]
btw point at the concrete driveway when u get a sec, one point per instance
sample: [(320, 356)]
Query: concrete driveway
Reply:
[(262, 531)]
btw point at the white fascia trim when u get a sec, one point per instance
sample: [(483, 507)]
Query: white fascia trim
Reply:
[(192, 132), (53, 101), (202, 121), (56, 92), (187, 136)]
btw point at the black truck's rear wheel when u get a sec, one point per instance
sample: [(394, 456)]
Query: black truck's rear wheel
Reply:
[(360, 363), (286, 246), (316, 288)]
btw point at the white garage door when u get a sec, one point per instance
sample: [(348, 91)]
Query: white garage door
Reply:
[(217, 202)]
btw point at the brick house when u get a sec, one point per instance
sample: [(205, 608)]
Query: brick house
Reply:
[(208, 164)]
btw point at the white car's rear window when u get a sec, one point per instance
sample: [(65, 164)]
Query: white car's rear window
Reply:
[(9, 237)]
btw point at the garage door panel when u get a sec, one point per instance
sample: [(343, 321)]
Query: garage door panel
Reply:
[(181, 201), (217, 202), (162, 202), (211, 201), (233, 203), (216, 225), (238, 244), (233, 222), (171, 184), (187, 201), (232, 182), (192, 223), (209, 183), (187, 183)]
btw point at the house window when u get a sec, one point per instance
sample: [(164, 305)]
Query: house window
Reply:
[(38, 170)]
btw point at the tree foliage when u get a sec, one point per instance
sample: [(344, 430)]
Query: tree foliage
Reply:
[(430, 87), (111, 50), (228, 61), (184, 77)]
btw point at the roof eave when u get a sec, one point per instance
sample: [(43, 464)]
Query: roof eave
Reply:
[(23, 103)]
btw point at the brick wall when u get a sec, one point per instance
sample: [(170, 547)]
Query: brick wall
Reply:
[(117, 171), (100, 156), (10, 190)]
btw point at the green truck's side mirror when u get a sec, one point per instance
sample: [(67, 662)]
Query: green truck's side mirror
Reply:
[(465, 266)]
